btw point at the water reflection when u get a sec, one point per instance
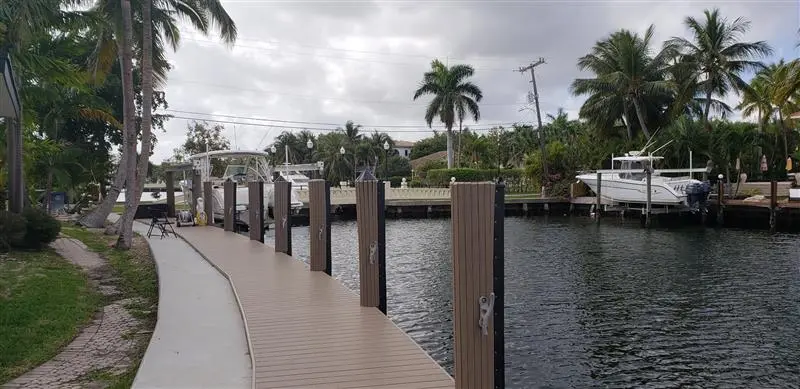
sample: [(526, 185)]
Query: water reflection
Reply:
[(609, 305)]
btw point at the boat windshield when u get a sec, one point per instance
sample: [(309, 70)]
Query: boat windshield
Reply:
[(238, 173), (633, 165)]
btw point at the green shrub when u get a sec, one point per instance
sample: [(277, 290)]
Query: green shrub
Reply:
[(13, 228), (515, 179), (430, 165), (41, 228)]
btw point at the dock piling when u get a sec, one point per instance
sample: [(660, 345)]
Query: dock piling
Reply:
[(649, 205), (255, 190), (196, 188), (477, 242), (598, 199), (208, 203), (371, 219), (773, 205), (282, 210), (320, 225), (229, 200), (170, 181), (720, 201)]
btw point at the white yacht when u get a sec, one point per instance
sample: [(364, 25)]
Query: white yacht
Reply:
[(243, 167), (626, 182)]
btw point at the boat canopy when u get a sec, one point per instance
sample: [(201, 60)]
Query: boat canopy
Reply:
[(633, 158), (230, 153)]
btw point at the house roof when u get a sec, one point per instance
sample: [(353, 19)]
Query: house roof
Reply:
[(403, 143), (439, 155)]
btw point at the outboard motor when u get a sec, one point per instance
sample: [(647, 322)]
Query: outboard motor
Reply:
[(697, 194)]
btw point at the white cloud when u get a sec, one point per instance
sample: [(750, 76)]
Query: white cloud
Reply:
[(334, 61)]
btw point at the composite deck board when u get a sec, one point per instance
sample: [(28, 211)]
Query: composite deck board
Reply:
[(306, 329)]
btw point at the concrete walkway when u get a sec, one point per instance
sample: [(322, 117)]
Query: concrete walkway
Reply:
[(199, 340)]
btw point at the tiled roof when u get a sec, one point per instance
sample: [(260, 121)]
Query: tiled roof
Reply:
[(439, 155), (403, 143)]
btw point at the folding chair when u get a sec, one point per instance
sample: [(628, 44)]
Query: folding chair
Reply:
[(160, 220)]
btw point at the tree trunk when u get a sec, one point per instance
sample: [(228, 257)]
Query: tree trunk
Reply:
[(98, 216), (785, 138), (626, 118), (449, 147), (458, 151), (48, 191), (147, 108), (129, 140), (707, 110), (640, 116)]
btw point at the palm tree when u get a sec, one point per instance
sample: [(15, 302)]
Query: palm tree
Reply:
[(337, 167), (628, 79), (757, 100), (453, 97), (351, 131), (161, 22), (717, 56), (128, 163)]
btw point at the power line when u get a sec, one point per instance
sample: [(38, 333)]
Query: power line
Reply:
[(368, 60), (288, 127), (323, 98), (314, 123), (384, 53)]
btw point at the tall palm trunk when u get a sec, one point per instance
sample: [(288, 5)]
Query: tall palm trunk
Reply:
[(147, 110), (640, 116), (458, 152), (627, 119), (97, 218), (450, 146), (129, 140), (783, 131), (48, 191), (707, 109)]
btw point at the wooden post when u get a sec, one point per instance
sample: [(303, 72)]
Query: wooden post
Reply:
[(598, 200), (229, 201), (720, 201), (197, 187), (370, 216), (477, 242), (773, 205), (282, 210), (319, 194), (498, 284), (649, 204), (208, 202), (255, 220), (170, 181)]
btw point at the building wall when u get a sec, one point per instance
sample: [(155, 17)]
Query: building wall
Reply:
[(404, 152)]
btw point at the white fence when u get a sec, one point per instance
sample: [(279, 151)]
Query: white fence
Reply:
[(347, 195)]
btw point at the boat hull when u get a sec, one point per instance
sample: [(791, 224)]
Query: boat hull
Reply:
[(242, 202), (662, 191)]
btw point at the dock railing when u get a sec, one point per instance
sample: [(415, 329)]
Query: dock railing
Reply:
[(477, 257)]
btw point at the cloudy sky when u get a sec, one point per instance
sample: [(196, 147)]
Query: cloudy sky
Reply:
[(325, 62)]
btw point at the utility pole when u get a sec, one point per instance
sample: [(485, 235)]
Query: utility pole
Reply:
[(531, 67)]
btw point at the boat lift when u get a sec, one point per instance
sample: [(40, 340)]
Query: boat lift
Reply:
[(647, 208)]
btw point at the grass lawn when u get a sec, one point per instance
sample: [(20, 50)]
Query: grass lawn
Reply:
[(44, 301), (138, 279)]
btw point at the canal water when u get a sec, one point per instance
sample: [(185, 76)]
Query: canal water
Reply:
[(607, 305)]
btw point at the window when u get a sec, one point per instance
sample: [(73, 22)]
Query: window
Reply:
[(405, 152)]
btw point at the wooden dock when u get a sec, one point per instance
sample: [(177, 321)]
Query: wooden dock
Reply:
[(305, 329)]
